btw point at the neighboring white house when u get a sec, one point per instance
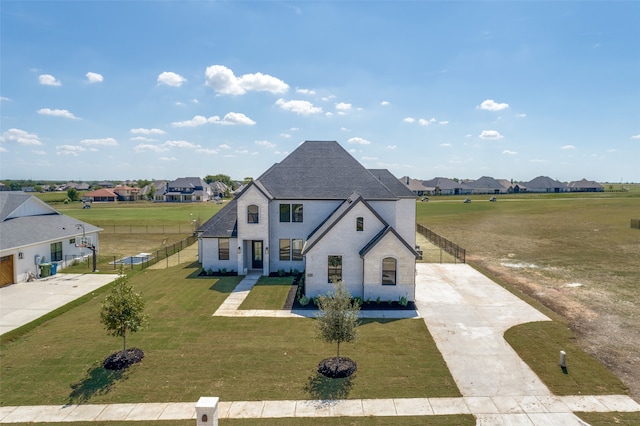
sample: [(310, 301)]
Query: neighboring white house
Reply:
[(185, 190), (32, 231), (320, 211)]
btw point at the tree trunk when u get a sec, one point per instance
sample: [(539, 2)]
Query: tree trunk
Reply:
[(338, 359), (124, 342)]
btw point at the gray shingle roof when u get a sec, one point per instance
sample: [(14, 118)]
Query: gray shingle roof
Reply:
[(485, 182), (322, 170), (442, 183), (222, 224), (391, 182), (28, 230), (545, 182)]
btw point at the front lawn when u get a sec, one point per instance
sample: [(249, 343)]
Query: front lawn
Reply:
[(190, 353), (268, 293)]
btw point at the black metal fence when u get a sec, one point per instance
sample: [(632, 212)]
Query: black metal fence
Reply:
[(147, 229), (144, 260), (635, 223), (453, 249)]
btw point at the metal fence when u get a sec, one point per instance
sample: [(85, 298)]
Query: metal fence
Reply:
[(144, 260), (635, 223), (453, 249), (147, 229)]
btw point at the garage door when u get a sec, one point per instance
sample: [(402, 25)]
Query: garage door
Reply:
[(6, 270)]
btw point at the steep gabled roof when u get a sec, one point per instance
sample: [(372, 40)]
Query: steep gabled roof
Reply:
[(322, 170), (223, 224), (16, 204), (375, 240), (317, 234), (188, 182), (392, 183)]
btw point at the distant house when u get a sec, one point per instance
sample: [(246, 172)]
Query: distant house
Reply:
[(82, 186), (103, 195), (106, 184), (219, 189), (486, 185), (445, 186), (546, 184), (584, 185), (320, 211), (127, 193), (186, 190), (33, 232), (159, 188), (415, 186)]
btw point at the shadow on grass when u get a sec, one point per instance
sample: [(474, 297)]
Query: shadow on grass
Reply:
[(326, 389), (97, 381)]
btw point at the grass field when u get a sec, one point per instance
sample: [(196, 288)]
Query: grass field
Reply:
[(576, 253)]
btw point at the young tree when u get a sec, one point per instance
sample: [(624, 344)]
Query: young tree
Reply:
[(73, 194), (122, 310), (337, 320)]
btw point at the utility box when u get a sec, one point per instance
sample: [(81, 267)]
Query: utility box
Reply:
[(207, 411)]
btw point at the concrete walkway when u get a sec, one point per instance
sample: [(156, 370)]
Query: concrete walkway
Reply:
[(24, 302), (466, 313)]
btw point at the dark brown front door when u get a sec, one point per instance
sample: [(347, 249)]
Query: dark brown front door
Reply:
[(256, 255)]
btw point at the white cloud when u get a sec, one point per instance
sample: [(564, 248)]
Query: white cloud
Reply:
[(424, 122), (93, 77), (207, 151), (73, 150), (168, 159), (237, 118), (3, 149), (635, 137), (491, 105), (359, 141), (445, 145), (266, 144), (180, 144), (222, 80), (4, 98), (198, 120), (104, 141), (144, 147), (521, 115), (285, 135), (568, 147), (299, 107), (57, 113), (142, 131), (341, 106), (225, 146), (385, 103), (409, 120), (444, 123), (48, 80), (509, 152), (142, 139), (392, 146), (232, 118), (171, 79), (20, 136), (305, 91), (490, 134), (39, 152)]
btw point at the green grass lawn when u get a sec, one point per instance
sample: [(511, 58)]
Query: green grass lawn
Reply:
[(189, 353), (268, 293)]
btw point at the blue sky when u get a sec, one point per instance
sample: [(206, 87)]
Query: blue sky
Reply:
[(118, 90)]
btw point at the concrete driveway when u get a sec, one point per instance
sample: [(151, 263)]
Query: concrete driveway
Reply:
[(24, 302)]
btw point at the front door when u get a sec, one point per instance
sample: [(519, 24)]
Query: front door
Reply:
[(256, 254)]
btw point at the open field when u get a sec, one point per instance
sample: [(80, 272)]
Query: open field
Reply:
[(575, 253)]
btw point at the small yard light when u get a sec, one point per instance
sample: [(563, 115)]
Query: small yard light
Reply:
[(239, 249)]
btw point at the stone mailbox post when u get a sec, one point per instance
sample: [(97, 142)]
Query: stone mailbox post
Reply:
[(207, 411)]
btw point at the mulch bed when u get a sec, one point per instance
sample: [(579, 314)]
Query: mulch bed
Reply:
[(330, 367), (123, 359)]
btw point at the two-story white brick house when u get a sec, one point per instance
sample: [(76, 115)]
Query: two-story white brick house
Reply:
[(321, 212)]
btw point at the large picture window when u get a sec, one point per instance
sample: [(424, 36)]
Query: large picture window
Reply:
[(56, 251), (389, 267), (223, 249), (285, 249), (335, 268), (252, 214)]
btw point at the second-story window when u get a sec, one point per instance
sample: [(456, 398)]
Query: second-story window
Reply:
[(285, 212), (359, 224), (252, 214)]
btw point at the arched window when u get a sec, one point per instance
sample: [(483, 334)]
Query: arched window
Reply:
[(252, 214), (389, 268)]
